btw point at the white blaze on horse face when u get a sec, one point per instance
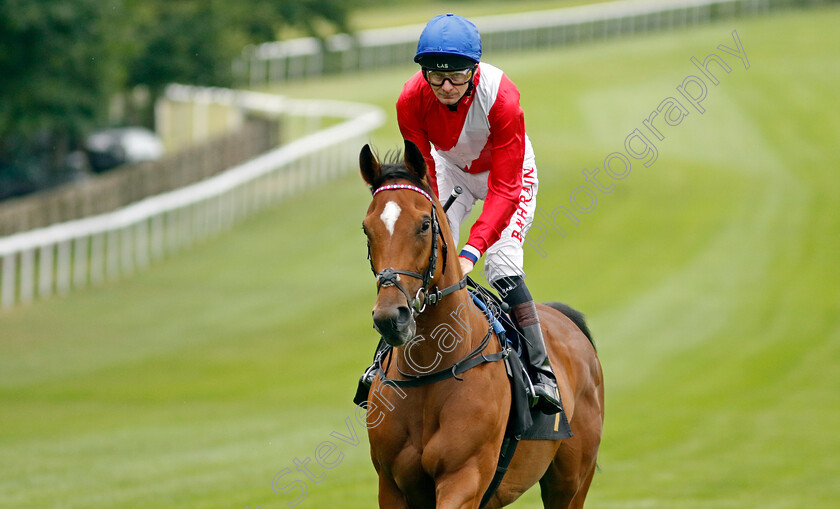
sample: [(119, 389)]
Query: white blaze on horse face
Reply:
[(389, 215)]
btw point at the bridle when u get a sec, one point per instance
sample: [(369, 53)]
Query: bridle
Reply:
[(391, 277)]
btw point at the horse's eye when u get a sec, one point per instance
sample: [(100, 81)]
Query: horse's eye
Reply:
[(425, 226)]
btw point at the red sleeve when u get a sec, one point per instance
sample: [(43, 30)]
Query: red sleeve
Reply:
[(410, 116), (507, 154)]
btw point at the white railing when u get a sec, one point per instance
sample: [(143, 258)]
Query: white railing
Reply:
[(61, 257), (279, 61)]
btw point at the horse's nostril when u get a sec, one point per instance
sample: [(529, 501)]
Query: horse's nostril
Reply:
[(403, 317), (385, 320), (393, 321)]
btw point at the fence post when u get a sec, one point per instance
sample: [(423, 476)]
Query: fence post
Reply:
[(97, 258), (7, 292), (45, 270), (80, 259), (27, 276), (63, 268)]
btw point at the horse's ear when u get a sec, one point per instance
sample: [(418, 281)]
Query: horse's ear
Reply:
[(369, 165), (414, 160)]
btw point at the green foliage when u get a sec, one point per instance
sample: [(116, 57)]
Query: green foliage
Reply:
[(57, 64), (182, 42), (62, 61), (195, 41)]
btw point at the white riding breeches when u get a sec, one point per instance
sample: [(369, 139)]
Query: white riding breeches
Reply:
[(506, 256)]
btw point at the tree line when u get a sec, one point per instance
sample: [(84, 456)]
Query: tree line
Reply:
[(62, 63)]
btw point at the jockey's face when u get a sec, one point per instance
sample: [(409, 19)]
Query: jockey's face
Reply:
[(449, 94), (449, 85)]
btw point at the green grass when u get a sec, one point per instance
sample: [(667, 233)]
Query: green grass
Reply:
[(414, 12), (371, 15), (710, 280)]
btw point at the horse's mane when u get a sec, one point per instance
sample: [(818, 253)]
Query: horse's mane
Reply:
[(393, 168)]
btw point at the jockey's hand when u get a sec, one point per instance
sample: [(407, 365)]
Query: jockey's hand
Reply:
[(466, 265)]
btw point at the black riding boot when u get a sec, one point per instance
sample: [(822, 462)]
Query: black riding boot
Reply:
[(518, 297), (545, 384)]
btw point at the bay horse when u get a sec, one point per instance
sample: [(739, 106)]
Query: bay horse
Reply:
[(437, 445)]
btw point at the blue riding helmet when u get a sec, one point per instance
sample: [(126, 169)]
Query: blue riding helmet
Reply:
[(449, 41)]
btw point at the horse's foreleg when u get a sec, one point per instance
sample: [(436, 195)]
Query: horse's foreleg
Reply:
[(390, 496), (459, 490)]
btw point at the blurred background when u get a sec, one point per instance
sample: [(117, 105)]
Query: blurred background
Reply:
[(184, 292)]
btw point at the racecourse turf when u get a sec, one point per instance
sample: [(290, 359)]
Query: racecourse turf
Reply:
[(709, 278)]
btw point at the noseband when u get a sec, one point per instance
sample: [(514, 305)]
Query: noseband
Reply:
[(391, 276)]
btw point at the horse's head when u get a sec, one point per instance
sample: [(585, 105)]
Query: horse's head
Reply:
[(405, 240)]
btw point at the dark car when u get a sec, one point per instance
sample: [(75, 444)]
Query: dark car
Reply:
[(110, 148)]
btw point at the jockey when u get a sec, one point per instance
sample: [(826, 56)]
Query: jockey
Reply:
[(465, 117)]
